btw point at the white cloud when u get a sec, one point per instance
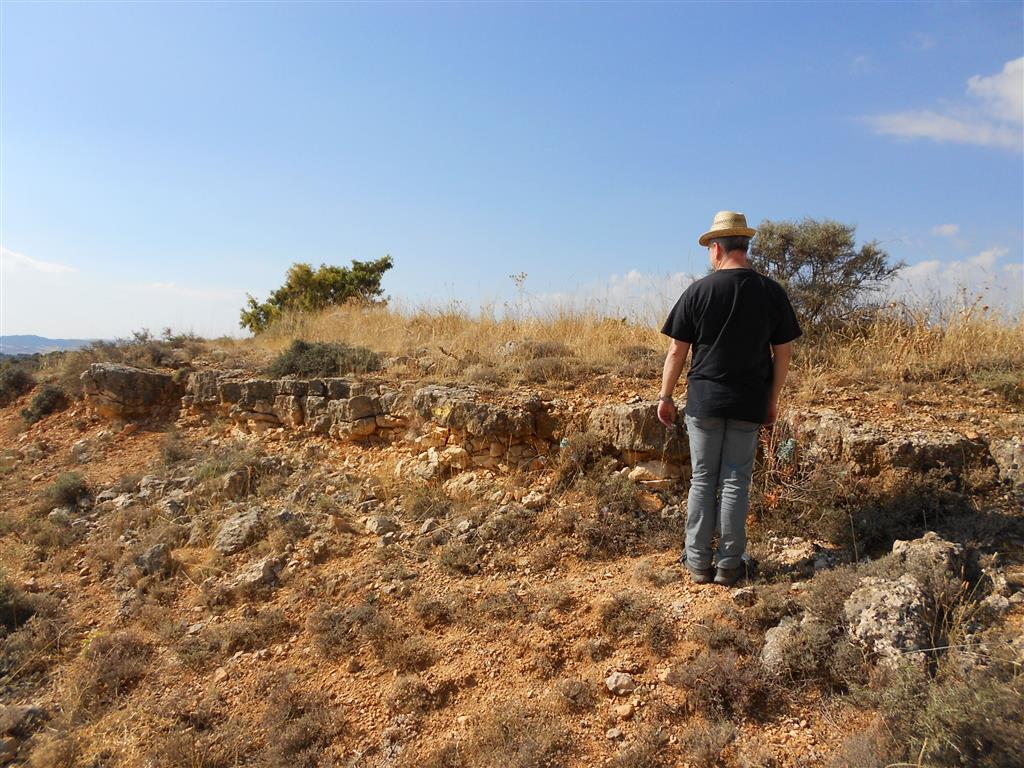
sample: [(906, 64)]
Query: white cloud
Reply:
[(995, 119), (985, 276), (640, 296), (10, 260), (946, 230), (1002, 93)]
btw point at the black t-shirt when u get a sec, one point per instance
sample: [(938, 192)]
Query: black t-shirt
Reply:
[(732, 317)]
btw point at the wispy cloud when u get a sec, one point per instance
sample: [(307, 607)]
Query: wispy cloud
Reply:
[(640, 296), (993, 118), (11, 260), (946, 230)]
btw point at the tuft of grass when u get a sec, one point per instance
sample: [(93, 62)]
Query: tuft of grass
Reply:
[(511, 737), (302, 725), (646, 750), (704, 741), (339, 632), (323, 359), (721, 683), (574, 695)]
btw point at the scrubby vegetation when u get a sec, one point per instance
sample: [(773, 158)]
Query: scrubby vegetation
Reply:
[(322, 359)]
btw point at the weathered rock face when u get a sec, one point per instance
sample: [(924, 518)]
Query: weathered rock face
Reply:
[(1009, 458), (337, 407), (779, 639), (930, 554), (887, 618), (122, 392), (476, 433), (868, 449), (634, 431), (239, 531)]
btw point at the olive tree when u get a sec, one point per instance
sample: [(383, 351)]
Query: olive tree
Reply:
[(827, 277)]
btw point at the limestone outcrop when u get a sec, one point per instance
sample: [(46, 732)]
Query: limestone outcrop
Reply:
[(122, 392)]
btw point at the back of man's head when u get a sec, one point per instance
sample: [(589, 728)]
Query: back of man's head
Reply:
[(735, 243)]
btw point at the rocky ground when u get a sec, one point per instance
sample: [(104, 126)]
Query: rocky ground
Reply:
[(214, 569)]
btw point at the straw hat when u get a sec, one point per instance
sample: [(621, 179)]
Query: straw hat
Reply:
[(727, 224)]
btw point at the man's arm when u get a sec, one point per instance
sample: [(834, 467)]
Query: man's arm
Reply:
[(674, 362), (781, 355)]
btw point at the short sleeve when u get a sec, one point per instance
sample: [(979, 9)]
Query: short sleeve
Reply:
[(680, 322), (788, 327)]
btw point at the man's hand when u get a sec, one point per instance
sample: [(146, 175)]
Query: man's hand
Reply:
[(667, 412), (773, 412)]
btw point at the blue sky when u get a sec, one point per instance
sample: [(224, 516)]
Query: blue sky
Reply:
[(159, 161)]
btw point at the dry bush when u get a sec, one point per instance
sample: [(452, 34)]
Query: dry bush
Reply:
[(629, 614), (216, 641), (703, 742), (576, 458), (435, 611), (56, 750), (649, 572), (32, 628), (109, 667), (459, 557), (49, 399), (310, 360), (722, 683), (424, 500), (512, 737), (574, 695), (409, 695), (646, 750), (618, 525), (174, 449), (65, 491), (338, 632), (301, 726), (15, 381)]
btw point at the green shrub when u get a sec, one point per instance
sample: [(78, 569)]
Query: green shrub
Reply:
[(49, 399), (323, 359), (14, 382), (306, 289)]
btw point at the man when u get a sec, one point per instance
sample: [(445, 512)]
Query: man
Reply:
[(741, 326)]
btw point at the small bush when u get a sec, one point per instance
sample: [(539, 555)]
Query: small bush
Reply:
[(576, 459), (174, 448), (512, 737), (66, 491), (646, 750), (628, 614), (721, 683), (15, 381), (323, 359), (619, 525), (409, 695), (340, 631), (110, 666), (703, 742), (459, 557), (49, 399), (434, 611), (575, 695), (15, 606), (302, 726)]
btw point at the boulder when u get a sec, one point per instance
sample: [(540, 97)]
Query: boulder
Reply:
[(461, 408), (117, 391), (1009, 458), (239, 531), (265, 572), (930, 554), (886, 617), (634, 429), (155, 561), (620, 683)]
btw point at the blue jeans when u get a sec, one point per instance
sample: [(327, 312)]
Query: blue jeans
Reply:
[(722, 456)]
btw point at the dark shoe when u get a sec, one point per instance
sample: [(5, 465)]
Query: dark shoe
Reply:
[(701, 575), (728, 576)]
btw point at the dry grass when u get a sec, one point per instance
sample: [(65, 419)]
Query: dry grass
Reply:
[(898, 343)]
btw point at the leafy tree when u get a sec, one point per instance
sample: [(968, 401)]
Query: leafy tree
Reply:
[(828, 279), (306, 289)]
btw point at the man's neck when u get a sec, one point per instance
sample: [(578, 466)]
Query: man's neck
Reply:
[(735, 260)]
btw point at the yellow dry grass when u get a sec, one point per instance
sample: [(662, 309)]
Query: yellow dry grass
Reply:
[(896, 343)]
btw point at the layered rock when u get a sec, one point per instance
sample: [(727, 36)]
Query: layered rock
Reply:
[(461, 430), (122, 392), (634, 432), (337, 407), (1009, 458), (868, 449)]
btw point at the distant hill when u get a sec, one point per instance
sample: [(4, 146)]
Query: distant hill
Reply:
[(29, 345)]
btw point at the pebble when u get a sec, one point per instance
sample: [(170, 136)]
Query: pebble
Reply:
[(620, 683), (614, 733), (624, 711)]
